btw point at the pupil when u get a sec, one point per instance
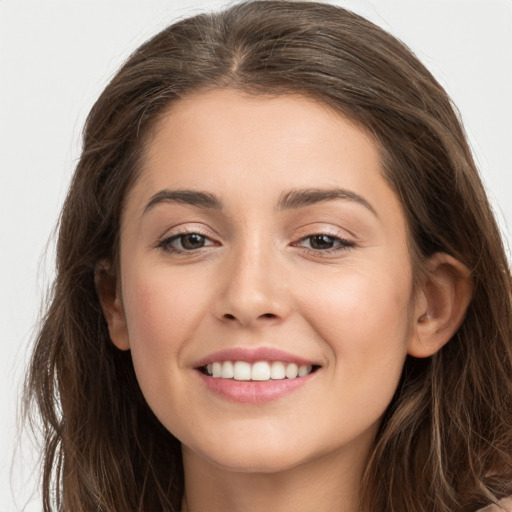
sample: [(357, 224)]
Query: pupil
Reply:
[(321, 242), (192, 241)]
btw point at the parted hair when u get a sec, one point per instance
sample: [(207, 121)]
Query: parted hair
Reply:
[(445, 441)]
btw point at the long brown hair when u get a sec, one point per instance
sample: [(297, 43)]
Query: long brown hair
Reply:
[(445, 443)]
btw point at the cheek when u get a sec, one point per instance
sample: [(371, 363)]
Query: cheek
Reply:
[(163, 310), (356, 301), (364, 320), (164, 303)]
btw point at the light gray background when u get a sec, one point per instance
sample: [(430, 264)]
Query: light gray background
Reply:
[(55, 58)]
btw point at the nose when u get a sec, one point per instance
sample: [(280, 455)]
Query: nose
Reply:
[(253, 290)]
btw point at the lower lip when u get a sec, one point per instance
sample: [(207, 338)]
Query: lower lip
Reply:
[(253, 392)]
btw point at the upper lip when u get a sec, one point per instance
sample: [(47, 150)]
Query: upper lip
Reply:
[(253, 355)]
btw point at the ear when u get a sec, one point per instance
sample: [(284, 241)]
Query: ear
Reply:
[(109, 294), (445, 293)]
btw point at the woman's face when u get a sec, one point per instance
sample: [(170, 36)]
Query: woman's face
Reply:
[(261, 230)]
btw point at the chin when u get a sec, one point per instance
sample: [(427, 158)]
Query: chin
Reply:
[(256, 463), (255, 454)]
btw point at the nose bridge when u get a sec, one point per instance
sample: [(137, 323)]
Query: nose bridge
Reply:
[(253, 287)]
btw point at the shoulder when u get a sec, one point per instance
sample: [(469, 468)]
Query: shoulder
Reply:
[(504, 506)]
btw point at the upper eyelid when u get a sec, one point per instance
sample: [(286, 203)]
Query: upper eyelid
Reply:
[(300, 233), (325, 228), (199, 231), (177, 231)]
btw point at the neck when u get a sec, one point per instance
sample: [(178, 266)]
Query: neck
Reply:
[(326, 484)]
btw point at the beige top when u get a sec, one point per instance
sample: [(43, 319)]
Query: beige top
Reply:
[(505, 506)]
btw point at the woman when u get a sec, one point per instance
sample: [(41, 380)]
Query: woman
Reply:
[(280, 285)]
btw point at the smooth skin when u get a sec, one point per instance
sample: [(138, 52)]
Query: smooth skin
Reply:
[(330, 281)]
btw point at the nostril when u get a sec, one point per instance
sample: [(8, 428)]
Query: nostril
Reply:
[(230, 316)]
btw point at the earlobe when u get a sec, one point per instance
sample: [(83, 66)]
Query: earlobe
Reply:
[(109, 294), (445, 294)]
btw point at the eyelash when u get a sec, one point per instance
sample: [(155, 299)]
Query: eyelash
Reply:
[(343, 244)]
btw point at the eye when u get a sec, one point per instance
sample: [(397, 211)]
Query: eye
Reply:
[(324, 243), (185, 242)]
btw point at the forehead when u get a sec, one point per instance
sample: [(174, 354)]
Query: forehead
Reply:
[(254, 147), (272, 131), (230, 111)]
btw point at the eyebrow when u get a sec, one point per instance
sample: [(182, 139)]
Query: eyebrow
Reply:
[(290, 200), (189, 197), (306, 197)]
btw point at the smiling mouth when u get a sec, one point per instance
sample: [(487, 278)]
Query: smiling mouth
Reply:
[(259, 371)]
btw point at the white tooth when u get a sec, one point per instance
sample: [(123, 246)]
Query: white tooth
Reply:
[(242, 370), (304, 369), (277, 370), (260, 371), (227, 370), (292, 370), (216, 369), (209, 369)]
